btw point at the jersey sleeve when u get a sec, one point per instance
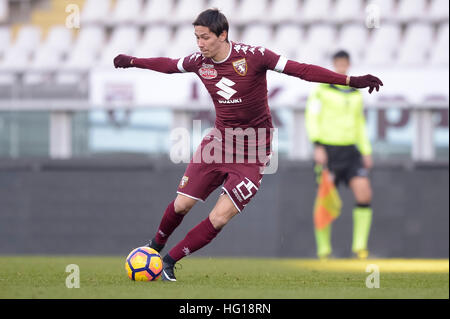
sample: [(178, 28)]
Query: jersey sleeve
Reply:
[(307, 72), (189, 63), (269, 60), (163, 65), (168, 65), (313, 73)]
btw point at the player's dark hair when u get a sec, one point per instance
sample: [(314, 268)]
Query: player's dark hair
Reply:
[(341, 54), (214, 20)]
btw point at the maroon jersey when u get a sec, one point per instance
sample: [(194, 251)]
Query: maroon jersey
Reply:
[(237, 85)]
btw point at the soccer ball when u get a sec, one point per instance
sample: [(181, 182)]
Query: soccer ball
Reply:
[(144, 264)]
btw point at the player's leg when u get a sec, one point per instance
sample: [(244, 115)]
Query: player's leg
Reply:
[(200, 235), (198, 181), (223, 212), (362, 214), (172, 218), (238, 189)]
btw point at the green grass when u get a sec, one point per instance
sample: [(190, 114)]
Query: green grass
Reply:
[(105, 277)]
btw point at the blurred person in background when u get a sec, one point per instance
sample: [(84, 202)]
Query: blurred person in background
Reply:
[(335, 123)]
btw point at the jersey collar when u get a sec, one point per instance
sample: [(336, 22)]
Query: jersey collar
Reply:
[(229, 53)]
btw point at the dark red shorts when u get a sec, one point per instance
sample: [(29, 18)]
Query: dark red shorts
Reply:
[(240, 181)]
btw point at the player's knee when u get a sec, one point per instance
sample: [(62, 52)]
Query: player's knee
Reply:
[(218, 221), (183, 206)]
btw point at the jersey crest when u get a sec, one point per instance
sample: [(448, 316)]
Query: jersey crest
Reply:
[(184, 181), (240, 66)]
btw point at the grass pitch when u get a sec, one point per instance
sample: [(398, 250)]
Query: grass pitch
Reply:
[(105, 277)]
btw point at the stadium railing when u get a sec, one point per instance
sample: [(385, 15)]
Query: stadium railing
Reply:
[(69, 101)]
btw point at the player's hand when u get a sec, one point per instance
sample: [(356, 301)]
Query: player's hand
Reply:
[(123, 61), (320, 155), (368, 162), (370, 81)]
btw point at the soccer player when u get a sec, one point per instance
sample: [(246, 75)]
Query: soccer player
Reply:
[(336, 125), (235, 76)]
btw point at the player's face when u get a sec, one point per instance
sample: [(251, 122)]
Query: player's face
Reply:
[(341, 65), (208, 42)]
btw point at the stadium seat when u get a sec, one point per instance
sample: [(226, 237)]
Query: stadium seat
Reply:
[(108, 54), (415, 45), (15, 59), (4, 10), (343, 12), (124, 37), (157, 11), (283, 11), (258, 35), (126, 11), (321, 35), (315, 11), (184, 42), (353, 39), (318, 44), (233, 33), (409, 57), (5, 39), (95, 11), (251, 11), (418, 34), (439, 55), (187, 10), (382, 45), (439, 10), (312, 54), (154, 41), (78, 61), (411, 10), (387, 9), (45, 60), (288, 38), (28, 38), (59, 38), (90, 38), (124, 40), (227, 7)]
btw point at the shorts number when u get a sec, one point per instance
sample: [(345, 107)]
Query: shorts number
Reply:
[(249, 186)]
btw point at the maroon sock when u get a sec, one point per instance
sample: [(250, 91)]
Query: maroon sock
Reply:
[(169, 222), (198, 237)]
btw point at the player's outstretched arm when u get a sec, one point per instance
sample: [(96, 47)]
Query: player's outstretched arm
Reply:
[(164, 65), (314, 73)]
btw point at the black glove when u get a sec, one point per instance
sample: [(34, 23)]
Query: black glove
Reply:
[(123, 61), (364, 81)]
